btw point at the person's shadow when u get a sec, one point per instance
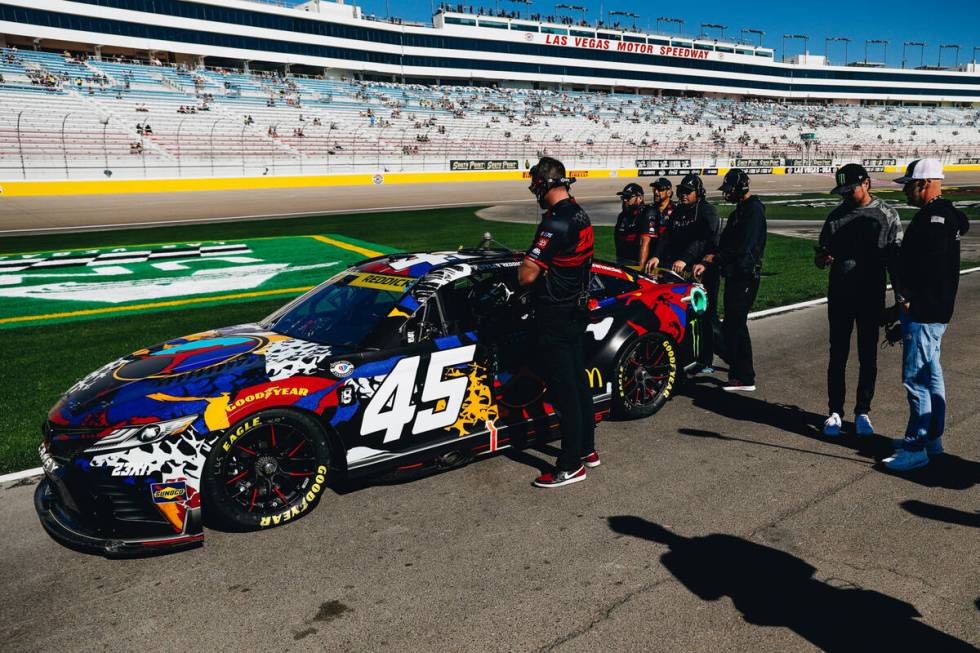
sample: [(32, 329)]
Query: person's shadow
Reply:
[(941, 513), (774, 588)]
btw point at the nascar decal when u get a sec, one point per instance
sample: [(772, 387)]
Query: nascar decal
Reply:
[(341, 369), (392, 408), (286, 358)]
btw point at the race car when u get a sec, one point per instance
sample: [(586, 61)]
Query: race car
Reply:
[(403, 363)]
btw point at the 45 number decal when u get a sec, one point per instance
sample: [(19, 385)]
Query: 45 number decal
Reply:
[(391, 408)]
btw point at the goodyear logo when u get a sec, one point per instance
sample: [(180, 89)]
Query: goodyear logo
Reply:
[(268, 393), (168, 492), (381, 281)]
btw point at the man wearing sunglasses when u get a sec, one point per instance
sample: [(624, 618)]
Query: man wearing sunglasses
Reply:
[(929, 264), (661, 212), (632, 232), (859, 241)]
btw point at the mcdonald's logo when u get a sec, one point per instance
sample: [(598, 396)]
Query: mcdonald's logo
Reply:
[(595, 377)]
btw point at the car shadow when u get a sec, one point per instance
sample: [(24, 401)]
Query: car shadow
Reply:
[(770, 587)]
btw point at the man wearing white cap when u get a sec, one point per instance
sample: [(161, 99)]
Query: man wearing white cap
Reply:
[(929, 269)]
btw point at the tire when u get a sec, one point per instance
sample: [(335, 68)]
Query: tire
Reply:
[(267, 470), (647, 373)]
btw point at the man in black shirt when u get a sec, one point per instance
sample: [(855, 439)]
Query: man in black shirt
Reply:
[(694, 222), (558, 268), (632, 232), (929, 268), (660, 213), (859, 240), (739, 260)]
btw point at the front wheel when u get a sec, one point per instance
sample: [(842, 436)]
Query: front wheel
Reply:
[(646, 373), (266, 470)]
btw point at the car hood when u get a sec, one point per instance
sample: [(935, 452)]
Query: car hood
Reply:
[(170, 379)]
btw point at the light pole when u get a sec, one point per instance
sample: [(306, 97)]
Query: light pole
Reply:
[(666, 19), (705, 26), (750, 30), (211, 137), (180, 172), (835, 39), (526, 3), (20, 147), (802, 37), (914, 44), (105, 147), (64, 147), (572, 8), (881, 42), (243, 148), (628, 14), (949, 47), (974, 56)]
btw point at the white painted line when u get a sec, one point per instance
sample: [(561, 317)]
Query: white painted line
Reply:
[(779, 310), (16, 476)]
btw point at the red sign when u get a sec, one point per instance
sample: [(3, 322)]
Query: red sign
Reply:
[(624, 46)]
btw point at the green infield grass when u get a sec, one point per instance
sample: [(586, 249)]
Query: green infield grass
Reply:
[(41, 360)]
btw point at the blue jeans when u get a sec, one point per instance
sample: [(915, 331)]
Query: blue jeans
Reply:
[(922, 377)]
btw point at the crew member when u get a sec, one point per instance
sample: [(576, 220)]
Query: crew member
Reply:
[(929, 268), (859, 240), (739, 260), (660, 212), (632, 233), (557, 268), (683, 243), (707, 231)]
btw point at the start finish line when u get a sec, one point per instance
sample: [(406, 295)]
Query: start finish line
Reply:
[(47, 287)]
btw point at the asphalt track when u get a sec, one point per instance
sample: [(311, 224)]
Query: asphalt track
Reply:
[(724, 523), (23, 215)]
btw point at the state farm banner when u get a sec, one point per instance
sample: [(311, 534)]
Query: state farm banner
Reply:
[(482, 164), (809, 162), (878, 162), (663, 163), (756, 163), (970, 160)]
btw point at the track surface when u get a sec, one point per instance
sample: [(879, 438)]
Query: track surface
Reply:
[(778, 541), (21, 215)]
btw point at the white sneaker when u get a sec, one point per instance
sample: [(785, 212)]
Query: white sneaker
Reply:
[(831, 427), (862, 425), (904, 460)]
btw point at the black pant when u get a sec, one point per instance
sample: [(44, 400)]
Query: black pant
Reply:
[(559, 336), (843, 310), (709, 321), (740, 294)]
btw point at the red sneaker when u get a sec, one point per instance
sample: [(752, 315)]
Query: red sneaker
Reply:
[(558, 478), (592, 460)]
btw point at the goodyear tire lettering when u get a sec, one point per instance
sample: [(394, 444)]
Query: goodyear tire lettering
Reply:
[(308, 499)]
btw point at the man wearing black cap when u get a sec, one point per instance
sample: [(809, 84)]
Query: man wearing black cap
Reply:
[(632, 233), (738, 258), (860, 241), (557, 268), (660, 213), (683, 242)]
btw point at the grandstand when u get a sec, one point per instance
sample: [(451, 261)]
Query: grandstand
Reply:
[(77, 110)]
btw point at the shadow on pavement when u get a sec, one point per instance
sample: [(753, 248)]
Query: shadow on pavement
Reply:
[(943, 471), (942, 513), (770, 587)]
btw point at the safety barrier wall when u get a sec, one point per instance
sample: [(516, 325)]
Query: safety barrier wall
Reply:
[(121, 186)]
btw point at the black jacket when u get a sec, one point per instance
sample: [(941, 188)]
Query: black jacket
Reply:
[(929, 262), (691, 233), (864, 242), (743, 241)]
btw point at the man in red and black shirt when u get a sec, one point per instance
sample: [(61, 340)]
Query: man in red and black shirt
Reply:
[(661, 212), (632, 232), (557, 268)]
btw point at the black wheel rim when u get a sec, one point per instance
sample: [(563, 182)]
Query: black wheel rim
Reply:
[(269, 469), (644, 373)]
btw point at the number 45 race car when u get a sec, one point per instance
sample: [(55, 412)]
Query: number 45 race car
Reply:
[(400, 364)]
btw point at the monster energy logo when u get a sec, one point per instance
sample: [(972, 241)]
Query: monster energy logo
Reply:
[(840, 178), (696, 337)]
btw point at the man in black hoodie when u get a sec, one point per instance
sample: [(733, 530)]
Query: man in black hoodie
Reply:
[(929, 268), (738, 257)]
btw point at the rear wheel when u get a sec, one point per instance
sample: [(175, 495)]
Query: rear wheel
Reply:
[(646, 374), (266, 470)]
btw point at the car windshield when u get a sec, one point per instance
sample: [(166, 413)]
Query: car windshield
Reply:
[(344, 311)]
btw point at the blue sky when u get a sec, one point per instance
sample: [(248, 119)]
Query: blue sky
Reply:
[(950, 22)]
